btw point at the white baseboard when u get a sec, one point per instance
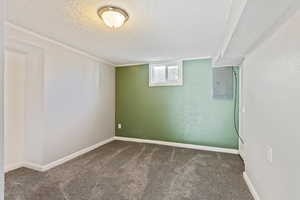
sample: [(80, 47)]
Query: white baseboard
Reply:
[(34, 166), (29, 165), (13, 167), (251, 186), (43, 168), (242, 154), (174, 144), (76, 154)]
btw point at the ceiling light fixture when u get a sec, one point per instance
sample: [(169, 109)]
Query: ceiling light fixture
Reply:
[(113, 17)]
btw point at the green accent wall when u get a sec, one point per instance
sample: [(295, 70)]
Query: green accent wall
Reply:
[(184, 114)]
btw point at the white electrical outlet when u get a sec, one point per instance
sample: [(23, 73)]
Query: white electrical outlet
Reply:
[(269, 154), (119, 125), (243, 110)]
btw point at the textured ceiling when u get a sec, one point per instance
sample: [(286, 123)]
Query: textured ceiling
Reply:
[(156, 30)]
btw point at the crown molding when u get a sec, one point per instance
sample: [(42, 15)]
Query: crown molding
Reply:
[(56, 42), (147, 63)]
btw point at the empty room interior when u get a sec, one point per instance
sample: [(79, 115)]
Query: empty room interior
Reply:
[(149, 100)]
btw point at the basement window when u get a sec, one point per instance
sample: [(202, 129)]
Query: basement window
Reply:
[(165, 74)]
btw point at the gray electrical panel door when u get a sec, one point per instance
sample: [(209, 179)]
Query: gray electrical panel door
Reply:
[(223, 83)]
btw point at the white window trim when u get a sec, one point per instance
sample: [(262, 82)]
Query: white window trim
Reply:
[(179, 63)]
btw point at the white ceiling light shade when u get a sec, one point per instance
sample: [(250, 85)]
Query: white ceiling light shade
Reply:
[(113, 17)]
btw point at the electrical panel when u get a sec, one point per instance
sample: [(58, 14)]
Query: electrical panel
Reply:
[(223, 83)]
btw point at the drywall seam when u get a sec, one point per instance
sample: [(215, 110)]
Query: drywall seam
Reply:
[(182, 145), (78, 51), (251, 186)]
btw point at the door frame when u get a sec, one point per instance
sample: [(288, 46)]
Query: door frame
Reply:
[(33, 98)]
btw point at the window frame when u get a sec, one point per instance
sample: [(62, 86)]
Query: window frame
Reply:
[(178, 82)]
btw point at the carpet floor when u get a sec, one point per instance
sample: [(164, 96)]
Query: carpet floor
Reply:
[(134, 171)]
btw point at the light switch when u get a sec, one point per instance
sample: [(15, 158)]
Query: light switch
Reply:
[(269, 154)]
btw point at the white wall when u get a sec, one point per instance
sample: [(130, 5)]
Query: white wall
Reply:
[(271, 98), (1, 102), (14, 104), (79, 102), (71, 94)]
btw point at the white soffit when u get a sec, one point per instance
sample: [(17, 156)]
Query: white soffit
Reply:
[(156, 30), (259, 19)]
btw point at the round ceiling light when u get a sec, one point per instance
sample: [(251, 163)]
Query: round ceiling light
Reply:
[(113, 17)]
